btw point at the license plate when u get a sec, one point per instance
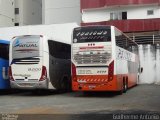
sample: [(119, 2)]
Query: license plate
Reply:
[(25, 84), (91, 86), (92, 71), (85, 72)]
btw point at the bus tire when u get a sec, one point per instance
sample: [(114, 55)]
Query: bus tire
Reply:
[(125, 86), (65, 85), (137, 80), (120, 92)]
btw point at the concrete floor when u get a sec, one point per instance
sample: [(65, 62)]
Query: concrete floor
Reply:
[(140, 99)]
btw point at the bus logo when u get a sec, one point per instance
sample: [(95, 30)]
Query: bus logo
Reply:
[(27, 45), (17, 43)]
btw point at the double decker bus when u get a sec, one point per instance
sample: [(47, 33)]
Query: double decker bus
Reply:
[(4, 64), (37, 62), (103, 59)]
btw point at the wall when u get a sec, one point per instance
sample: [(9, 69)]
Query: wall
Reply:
[(131, 26), (103, 14), (61, 11), (7, 33), (150, 61), (6, 13), (30, 12)]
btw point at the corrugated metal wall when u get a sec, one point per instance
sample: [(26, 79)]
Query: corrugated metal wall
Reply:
[(131, 25), (87, 4)]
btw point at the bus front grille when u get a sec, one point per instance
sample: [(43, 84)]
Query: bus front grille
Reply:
[(28, 80), (92, 58), (26, 61)]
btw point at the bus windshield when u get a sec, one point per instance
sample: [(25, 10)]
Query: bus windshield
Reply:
[(4, 50), (26, 47), (91, 34)]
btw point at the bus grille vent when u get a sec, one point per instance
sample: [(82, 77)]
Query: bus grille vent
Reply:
[(92, 58), (26, 61)]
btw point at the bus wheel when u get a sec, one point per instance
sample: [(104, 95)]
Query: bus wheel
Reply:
[(137, 80), (65, 85), (125, 86)]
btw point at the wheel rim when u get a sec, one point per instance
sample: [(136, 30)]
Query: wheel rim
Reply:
[(125, 86)]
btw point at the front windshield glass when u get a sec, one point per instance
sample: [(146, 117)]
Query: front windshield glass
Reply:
[(91, 34), (26, 46)]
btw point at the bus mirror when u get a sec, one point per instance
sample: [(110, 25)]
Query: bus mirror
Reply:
[(141, 69)]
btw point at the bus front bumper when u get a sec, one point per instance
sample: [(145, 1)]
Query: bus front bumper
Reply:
[(29, 85)]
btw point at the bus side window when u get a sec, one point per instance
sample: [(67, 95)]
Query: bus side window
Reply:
[(120, 40), (53, 48), (59, 50), (130, 44), (67, 51), (4, 51), (50, 45), (135, 49)]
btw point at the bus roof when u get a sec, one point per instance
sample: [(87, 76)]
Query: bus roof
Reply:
[(4, 41), (94, 26)]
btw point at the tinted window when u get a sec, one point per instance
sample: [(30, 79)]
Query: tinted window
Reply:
[(16, 11), (16, 24), (121, 41), (59, 50), (4, 51), (91, 34), (126, 43)]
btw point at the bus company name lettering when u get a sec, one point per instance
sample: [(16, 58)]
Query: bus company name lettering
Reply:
[(124, 55), (22, 75), (27, 45), (32, 44), (91, 33)]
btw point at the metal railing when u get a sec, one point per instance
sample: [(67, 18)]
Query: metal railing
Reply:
[(146, 39)]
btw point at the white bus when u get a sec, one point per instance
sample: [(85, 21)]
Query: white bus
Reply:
[(103, 59), (39, 63)]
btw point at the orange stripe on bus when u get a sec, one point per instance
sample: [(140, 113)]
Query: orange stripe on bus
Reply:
[(114, 85)]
